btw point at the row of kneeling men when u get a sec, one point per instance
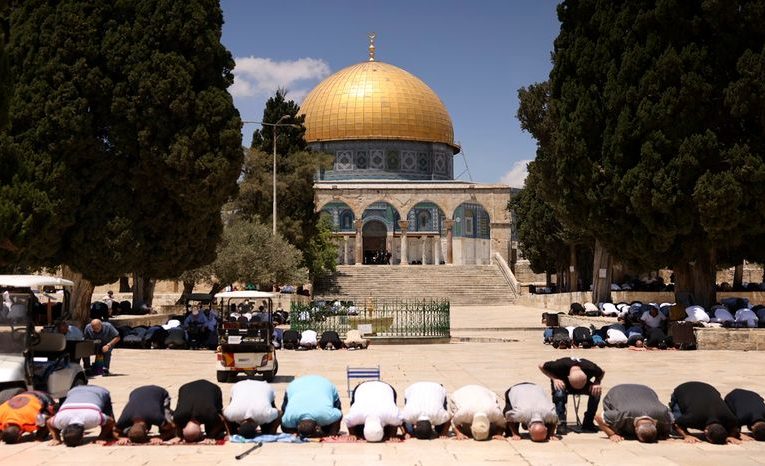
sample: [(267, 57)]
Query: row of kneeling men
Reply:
[(311, 408)]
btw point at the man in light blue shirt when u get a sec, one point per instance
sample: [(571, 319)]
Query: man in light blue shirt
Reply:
[(311, 407)]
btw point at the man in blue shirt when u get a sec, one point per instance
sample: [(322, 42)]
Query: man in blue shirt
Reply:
[(105, 336), (311, 407), (197, 327)]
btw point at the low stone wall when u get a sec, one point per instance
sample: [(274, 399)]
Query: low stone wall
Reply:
[(566, 320), (738, 339), (135, 321)]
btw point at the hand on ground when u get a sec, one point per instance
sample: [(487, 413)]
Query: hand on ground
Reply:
[(616, 438)]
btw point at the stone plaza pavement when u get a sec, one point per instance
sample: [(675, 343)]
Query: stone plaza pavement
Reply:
[(497, 365)]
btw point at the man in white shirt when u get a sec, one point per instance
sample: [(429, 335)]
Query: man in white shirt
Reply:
[(696, 314), (616, 337), (476, 413), (653, 318), (528, 405), (609, 309), (308, 339), (748, 316), (425, 410), (721, 314), (373, 415), (253, 404)]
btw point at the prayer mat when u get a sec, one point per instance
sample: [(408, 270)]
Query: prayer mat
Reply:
[(113, 443), (352, 439), (266, 438)]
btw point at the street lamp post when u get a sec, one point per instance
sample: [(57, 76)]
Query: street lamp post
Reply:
[(273, 212), (275, 126)]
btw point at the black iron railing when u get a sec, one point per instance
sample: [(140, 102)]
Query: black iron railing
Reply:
[(377, 317)]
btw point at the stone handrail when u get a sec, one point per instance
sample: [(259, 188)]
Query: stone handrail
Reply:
[(508, 274)]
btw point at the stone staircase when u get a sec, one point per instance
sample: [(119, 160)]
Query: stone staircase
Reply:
[(461, 284)]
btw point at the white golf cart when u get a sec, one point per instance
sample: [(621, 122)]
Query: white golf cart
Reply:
[(244, 335), (30, 359)]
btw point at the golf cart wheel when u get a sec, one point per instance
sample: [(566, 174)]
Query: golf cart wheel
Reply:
[(223, 376), (268, 376)]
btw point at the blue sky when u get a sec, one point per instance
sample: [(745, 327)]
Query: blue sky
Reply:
[(473, 54)]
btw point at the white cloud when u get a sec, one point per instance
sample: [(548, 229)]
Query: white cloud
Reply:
[(516, 175), (255, 76)]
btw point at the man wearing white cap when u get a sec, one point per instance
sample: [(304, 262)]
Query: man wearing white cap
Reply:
[(476, 413), (425, 410), (374, 415)]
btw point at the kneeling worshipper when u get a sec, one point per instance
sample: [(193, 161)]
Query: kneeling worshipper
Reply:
[(698, 405), (749, 408), (253, 405), (476, 413), (85, 407), (199, 403), (634, 411), (25, 413), (311, 407), (527, 405), (147, 406), (426, 410), (374, 415)]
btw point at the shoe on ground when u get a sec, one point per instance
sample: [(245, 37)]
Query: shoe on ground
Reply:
[(589, 427)]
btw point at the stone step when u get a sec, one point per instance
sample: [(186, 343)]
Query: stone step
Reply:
[(469, 284)]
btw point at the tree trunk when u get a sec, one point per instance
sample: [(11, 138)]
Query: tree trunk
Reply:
[(143, 291), (601, 282), (548, 279), (738, 277), (697, 278), (82, 293), (559, 283), (188, 288), (572, 276), (125, 284), (216, 288)]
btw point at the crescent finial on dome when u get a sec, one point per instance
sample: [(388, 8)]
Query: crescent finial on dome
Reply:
[(372, 36)]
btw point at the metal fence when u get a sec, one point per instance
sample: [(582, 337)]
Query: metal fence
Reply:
[(377, 317)]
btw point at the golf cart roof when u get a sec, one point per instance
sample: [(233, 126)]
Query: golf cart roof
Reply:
[(33, 281), (244, 295), (201, 297)]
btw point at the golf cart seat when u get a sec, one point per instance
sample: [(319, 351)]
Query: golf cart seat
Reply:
[(50, 342), (82, 349)]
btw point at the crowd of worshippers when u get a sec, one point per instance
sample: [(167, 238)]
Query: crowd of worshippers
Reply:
[(644, 325), (311, 407)]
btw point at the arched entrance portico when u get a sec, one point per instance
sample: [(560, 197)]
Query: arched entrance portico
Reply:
[(374, 234)]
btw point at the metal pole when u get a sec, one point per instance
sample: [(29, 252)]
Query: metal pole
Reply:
[(273, 212), (276, 126)]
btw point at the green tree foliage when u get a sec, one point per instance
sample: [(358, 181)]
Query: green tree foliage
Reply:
[(121, 109), (5, 75), (540, 234), (658, 146), (289, 139), (297, 219), (321, 254), (248, 252), (543, 240)]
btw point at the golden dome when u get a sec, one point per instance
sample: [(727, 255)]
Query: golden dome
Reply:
[(375, 100)]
